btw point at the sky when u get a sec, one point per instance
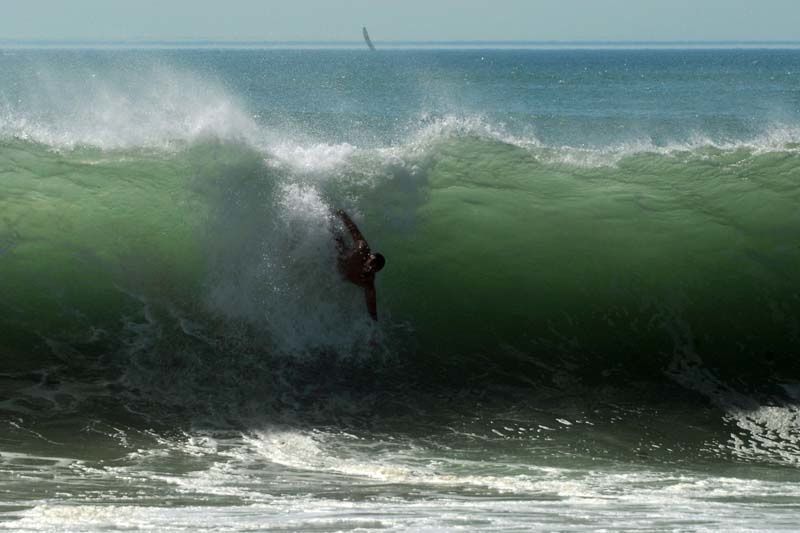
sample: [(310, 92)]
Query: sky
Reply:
[(400, 20)]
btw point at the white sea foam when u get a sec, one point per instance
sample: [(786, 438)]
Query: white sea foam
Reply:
[(769, 432), (429, 133), (430, 130), (404, 463), (764, 432), (149, 106), (283, 275), (319, 157), (386, 513), (264, 479)]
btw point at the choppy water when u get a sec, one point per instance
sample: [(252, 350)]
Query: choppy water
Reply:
[(588, 318)]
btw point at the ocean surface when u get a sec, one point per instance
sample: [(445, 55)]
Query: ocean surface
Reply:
[(589, 317)]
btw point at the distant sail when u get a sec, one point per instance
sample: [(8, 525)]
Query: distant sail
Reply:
[(367, 39)]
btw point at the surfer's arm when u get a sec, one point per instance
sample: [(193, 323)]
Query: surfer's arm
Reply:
[(372, 301), (350, 225)]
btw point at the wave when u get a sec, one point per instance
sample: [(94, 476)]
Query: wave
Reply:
[(524, 246), (154, 233)]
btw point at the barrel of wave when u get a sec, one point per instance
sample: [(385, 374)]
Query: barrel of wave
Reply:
[(519, 264)]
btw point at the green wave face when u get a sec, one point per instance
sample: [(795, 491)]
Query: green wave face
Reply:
[(516, 260), (87, 235), (614, 268)]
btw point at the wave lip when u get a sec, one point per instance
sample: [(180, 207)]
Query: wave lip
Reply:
[(157, 106), (430, 132)]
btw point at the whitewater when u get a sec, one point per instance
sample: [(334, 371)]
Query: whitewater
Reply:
[(588, 319)]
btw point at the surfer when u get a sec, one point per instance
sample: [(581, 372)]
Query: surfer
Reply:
[(357, 263)]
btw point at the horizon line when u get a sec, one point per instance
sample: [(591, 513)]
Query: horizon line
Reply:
[(553, 43)]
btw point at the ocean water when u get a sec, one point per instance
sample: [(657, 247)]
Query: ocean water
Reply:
[(589, 317)]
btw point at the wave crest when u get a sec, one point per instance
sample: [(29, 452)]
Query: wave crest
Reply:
[(132, 107)]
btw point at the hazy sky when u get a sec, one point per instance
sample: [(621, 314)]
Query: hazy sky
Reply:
[(400, 19)]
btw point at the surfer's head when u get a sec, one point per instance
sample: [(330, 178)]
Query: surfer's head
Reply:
[(374, 263)]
